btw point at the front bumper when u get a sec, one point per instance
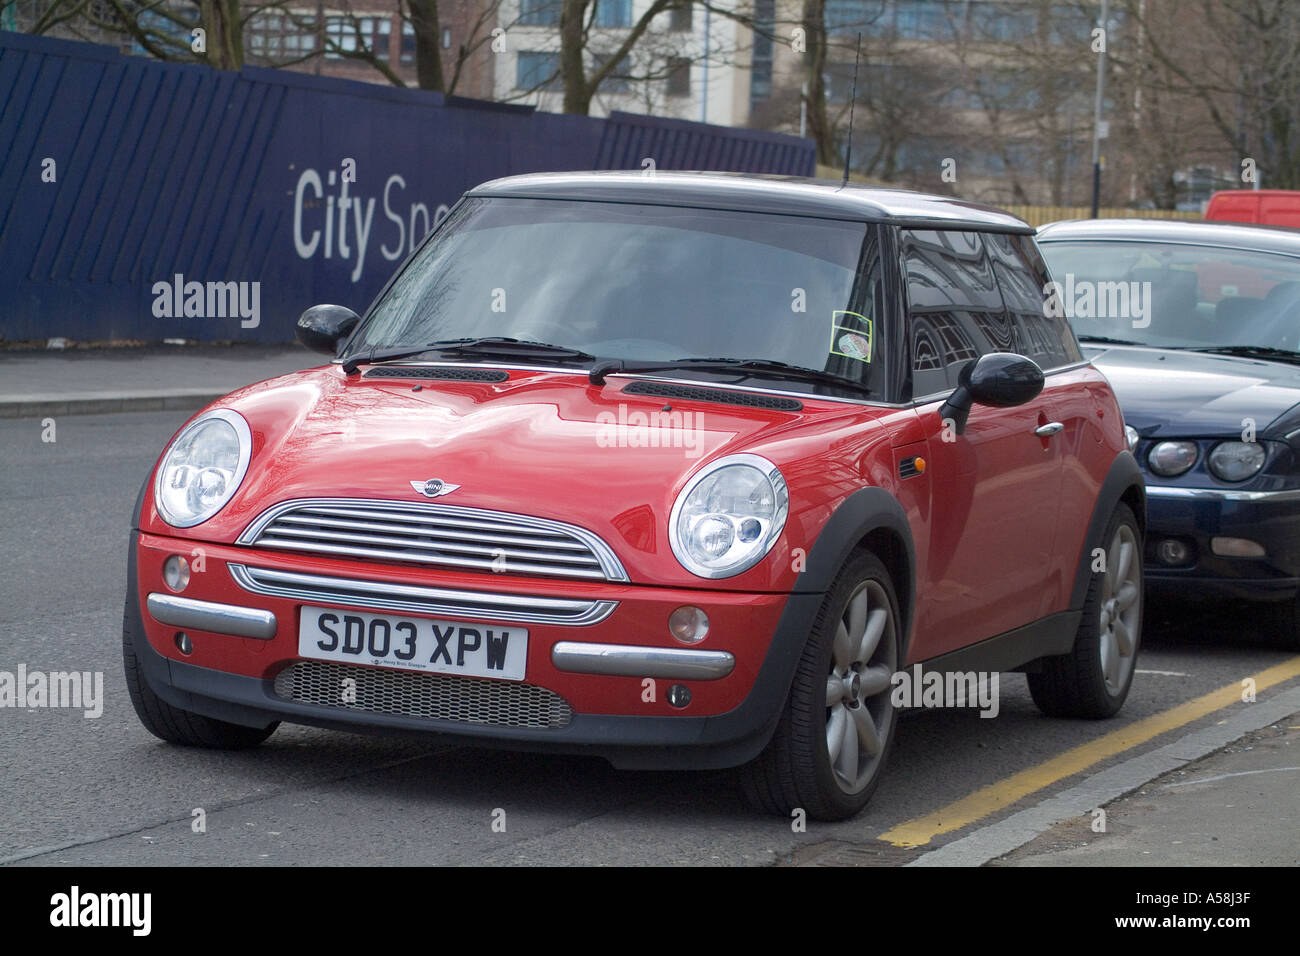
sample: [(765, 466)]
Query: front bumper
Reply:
[(1197, 516), (739, 678)]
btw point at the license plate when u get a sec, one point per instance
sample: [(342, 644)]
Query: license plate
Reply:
[(413, 644)]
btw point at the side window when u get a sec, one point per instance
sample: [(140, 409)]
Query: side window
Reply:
[(954, 309), (1023, 278), (863, 320)]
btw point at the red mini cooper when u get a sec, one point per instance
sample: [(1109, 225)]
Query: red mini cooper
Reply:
[(679, 470)]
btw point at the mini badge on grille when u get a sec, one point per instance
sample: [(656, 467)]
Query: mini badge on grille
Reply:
[(433, 487)]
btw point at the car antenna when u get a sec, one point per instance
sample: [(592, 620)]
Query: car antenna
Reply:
[(848, 147)]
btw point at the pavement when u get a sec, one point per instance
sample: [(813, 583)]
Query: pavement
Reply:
[(1223, 790), (99, 381), (1235, 807)]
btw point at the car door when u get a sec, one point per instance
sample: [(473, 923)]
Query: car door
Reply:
[(994, 487), (1071, 388)]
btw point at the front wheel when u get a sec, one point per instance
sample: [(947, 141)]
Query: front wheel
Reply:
[(829, 749), (1093, 680)]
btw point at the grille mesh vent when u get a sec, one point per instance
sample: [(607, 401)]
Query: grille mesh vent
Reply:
[(428, 696), (748, 399), (443, 374)]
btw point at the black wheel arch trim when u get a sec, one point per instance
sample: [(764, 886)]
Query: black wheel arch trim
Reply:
[(866, 511), (1123, 476)]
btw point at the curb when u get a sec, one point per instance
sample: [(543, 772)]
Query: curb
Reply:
[(36, 406), (998, 839)]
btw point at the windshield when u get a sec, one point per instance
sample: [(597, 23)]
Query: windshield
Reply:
[(642, 283), (1178, 295)]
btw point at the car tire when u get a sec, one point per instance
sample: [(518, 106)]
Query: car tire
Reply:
[(797, 770), (172, 724), (1093, 680)]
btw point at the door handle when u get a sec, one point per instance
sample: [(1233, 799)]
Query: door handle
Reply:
[(1048, 430)]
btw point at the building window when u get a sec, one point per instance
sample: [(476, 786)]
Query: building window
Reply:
[(408, 43), (375, 32), (617, 81), (681, 17), (274, 37), (613, 13), (760, 82), (539, 13), (357, 35), (679, 76), (446, 38), (537, 70)]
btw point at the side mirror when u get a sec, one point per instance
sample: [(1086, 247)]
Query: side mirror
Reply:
[(999, 380), (322, 327)]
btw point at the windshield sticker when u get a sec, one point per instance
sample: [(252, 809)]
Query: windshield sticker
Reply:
[(851, 335)]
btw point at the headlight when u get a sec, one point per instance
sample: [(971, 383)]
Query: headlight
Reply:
[(202, 468), (1236, 460), (1170, 458), (728, 516), (1131, 436)]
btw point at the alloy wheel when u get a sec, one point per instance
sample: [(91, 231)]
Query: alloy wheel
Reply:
[(1121, 608), (858, 709)]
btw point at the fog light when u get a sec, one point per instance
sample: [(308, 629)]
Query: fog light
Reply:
[(176, 573), (688, 624), (1172, 551), (679, 695), (183, 643), (1236, 548)]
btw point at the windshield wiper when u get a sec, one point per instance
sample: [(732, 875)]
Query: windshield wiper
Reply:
[(1248, 351), (746, 366), (1106, 340), (485, 345)]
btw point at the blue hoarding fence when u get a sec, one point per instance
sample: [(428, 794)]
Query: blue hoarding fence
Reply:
[(148, 200)]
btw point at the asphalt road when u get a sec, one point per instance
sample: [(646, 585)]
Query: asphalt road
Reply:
[(103, 791)]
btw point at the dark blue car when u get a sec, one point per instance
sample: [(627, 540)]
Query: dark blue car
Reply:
[(1197, 326)]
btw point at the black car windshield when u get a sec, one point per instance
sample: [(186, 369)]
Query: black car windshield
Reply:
[(1177, 295), (641, 283)]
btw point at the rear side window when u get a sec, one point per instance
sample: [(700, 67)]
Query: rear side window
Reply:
[(1023, 278), (954, 309)]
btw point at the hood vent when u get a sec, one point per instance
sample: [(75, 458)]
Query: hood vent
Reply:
[(439, 372), (747, 399)]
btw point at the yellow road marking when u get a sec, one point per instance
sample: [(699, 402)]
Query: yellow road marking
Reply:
[(997, 796)]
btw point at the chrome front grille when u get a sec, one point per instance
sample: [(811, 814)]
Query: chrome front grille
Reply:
[(469, 700), (435, 602), (432, 534)]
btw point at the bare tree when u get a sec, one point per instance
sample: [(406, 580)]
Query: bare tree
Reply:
[(167, 30), (580, 81), (1234, 65)]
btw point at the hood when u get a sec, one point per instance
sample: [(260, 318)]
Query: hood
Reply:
[(1173, 392), (546, 444)]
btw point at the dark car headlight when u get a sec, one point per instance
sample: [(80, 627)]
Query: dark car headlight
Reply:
[(1170, 458), (1236, 460)]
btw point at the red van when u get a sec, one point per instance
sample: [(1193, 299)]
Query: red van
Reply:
[(1270, 207)]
